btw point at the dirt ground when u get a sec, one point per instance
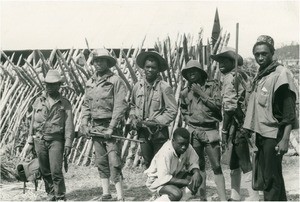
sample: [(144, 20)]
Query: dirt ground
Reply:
[(83, 184)]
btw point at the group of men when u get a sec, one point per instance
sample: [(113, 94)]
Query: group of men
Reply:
[(175, 163)]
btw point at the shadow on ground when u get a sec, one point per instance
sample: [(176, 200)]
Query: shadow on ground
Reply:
[(140, 193)]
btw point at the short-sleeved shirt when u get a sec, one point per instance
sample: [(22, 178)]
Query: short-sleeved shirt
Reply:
[(167, 164), (259, 115)]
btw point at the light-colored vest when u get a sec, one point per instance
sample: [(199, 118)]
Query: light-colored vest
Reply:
[(259, 114)]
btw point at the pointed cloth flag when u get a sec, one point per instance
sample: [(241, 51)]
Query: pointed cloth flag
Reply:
[(216, 29)]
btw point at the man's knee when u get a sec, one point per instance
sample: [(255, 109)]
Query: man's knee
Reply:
[(235, 172), (101, 161), (175, 196), (173, 192)]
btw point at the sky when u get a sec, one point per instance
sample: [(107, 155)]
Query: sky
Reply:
[(122, 24)]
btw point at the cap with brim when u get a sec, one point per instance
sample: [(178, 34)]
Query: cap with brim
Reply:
[(103, 53), (227, 52), (190, 65), (53, 76), (140, 60)]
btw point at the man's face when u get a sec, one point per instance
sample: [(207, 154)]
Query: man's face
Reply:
[(263, 55), (193, 75), (52, 88), (180, 144), (226, 65), (151, 70), (101, 65)]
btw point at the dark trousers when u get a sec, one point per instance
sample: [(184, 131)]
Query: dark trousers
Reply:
[(271, 165), (152, 144), (50, 155), (241, 156)]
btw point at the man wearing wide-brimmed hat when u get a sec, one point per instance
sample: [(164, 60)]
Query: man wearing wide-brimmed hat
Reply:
[(52, 134), (235, 87), (200, 106), (152, 101), (103, 111), (271, 115)]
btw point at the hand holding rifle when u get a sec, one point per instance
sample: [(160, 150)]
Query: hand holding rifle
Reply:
[(108, 133), (85, 131), (134, 122), (29, 148)]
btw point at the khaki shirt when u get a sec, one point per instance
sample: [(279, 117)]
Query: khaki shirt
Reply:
[(52, 122), (230, 98), (157, 104), (200, 112), (105, 97)]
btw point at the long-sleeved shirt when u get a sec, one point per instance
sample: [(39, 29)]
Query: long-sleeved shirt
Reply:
[(53, 122), (230, 97), (234, 91), (105, 97), (166, 164), (202, 112), (156, 102)]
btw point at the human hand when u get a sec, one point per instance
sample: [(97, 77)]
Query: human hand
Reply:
[(198, 90), (195, 182), (85, 130), (282, 147), (108, 133), (67, 151), (246, 133), (135, 123), (29, 148)]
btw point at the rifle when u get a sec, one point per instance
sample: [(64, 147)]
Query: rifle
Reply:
[(66, 167), (152, 124), (149, 125), (96, 134)]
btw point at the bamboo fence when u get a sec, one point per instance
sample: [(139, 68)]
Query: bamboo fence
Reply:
[(21, 84)]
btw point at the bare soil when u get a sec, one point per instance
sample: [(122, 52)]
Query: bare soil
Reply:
[(83, 184)]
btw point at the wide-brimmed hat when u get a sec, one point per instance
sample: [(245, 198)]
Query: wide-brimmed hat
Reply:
[(193, 64), (140, 60), (227, 52), (53, 76), (103, 53)]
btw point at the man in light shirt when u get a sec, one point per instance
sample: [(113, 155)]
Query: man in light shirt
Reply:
[(174, 171)]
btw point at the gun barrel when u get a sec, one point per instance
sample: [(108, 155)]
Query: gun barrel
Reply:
[(147, 123), (117, 137)]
